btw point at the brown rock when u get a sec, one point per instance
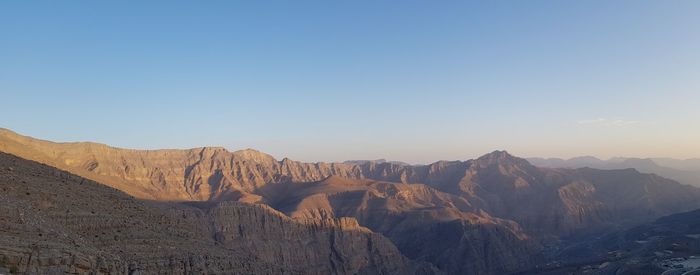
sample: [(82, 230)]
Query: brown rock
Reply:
[(104, 231)]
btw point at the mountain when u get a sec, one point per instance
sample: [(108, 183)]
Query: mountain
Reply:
[(683, 171), (55, 222), (496, 214), (541, 200), (216, 175), (200, 174), (361, 162), (418, 219), (567, 201), (679, 164)]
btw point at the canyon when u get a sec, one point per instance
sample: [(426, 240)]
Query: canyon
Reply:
[(215, 211)]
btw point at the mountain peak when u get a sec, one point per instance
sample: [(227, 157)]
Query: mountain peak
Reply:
[(8, 133), (501, 157), (254, 155), (497, 155)]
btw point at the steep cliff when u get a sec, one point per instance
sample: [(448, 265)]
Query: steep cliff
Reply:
[(424, 223), (199, 174), (327, 246), (542, 200), (497, 200), (55, 222)]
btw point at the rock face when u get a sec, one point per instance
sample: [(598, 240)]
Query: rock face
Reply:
[(477, 216), (424, 223), (339, 246), (53, 222), (566, 201), (542, 200), (461, 247), (200, 174)]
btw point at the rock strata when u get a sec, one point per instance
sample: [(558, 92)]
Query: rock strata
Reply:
[(54, 222), (498, 204)]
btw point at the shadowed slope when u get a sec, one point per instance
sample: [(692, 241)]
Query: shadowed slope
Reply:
[(565, 201), (544, 201), (494, 201), (424, 223), (53, 221)]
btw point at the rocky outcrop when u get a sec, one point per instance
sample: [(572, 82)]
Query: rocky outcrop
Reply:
[(53, 222)]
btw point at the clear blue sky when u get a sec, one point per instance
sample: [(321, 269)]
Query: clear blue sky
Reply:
[(331, 80)]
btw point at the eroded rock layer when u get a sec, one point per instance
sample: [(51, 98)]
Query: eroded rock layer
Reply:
[(494, 209), (54, 222)]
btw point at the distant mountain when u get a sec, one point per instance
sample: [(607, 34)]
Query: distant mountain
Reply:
[(683, 171), (679, 164), (378, 161), (552, 201), (492, 215)]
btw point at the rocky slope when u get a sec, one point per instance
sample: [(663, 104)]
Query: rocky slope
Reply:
[(542, 200), (331, 246), (424, 223), (53, 222), (494, 205), (567, 201), (548, 201), (199, 174)]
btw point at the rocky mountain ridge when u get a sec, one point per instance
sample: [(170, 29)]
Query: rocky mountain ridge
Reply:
[(683, 171), (498, 207), (53, 222)]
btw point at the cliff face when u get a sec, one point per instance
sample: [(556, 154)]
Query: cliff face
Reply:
[(461, 247), (55, 222), (497, 200), (570, 201), (542, 200), (328, 246), (547, 201), (424, 223), (199, 174)]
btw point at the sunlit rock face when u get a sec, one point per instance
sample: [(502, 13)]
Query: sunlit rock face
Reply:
[(54, 222), (481, 216)]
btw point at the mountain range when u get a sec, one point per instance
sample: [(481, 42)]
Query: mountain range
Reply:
[(685, 171), (218, 211)]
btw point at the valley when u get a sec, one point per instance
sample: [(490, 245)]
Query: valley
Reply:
[(215, 211)]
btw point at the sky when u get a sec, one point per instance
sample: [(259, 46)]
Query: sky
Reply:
[(415, 81)]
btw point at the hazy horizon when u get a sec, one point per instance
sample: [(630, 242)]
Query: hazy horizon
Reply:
[(317, 81), (386, 158)]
